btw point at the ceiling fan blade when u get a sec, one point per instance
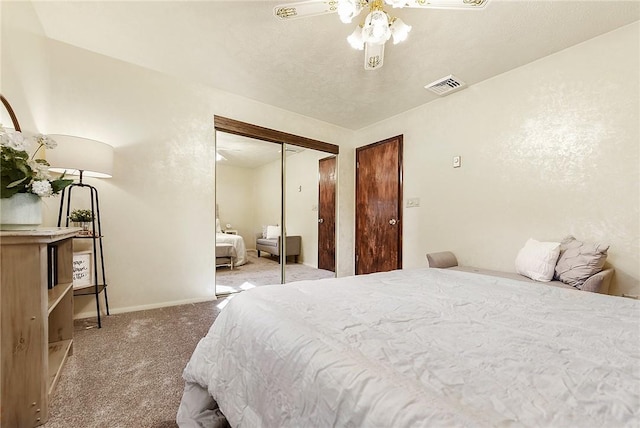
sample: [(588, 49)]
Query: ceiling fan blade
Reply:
[(302, 9), (447, 4), (373, 56)]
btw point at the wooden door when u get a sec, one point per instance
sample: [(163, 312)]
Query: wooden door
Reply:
[(327, 214), (379, 206)]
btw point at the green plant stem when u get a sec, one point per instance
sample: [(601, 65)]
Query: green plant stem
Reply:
[(33, 156)]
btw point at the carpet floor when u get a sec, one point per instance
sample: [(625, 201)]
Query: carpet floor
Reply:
[(129, 372), (263, 271)]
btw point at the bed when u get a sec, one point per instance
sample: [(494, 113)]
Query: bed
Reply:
[(417, 348), (223, 239)]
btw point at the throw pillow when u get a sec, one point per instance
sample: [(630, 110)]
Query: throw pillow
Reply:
[(273, 232), (218, 228), (537, 260), (264, 231), (579, 260)]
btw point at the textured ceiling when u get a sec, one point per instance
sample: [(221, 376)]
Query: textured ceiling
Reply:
[(306, 65)]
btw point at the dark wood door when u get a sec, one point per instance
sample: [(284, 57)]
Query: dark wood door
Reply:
[(379, 206), (327, 214)]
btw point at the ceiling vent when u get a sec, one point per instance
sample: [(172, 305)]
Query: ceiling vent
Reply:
[(446, 85)]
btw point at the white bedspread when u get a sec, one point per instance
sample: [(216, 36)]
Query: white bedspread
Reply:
[(422, 348), (238, 244)]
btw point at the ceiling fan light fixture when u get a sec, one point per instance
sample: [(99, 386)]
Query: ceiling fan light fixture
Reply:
[(378, 26), (399, 30), (348, 9), (355, 39)]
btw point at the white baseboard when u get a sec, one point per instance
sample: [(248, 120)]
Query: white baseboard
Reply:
[(114, 311)]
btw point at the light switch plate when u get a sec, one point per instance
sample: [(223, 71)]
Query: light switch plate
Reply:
[(456, 161), (413, 202)]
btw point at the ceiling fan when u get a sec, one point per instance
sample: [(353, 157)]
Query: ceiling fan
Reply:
[(377, 27)]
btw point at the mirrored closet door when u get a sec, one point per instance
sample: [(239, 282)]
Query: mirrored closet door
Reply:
[(310, 215), (248, 200), (266, 179)]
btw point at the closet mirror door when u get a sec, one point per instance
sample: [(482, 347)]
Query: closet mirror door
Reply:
[(310, 215), (268, 187), (248, 214)]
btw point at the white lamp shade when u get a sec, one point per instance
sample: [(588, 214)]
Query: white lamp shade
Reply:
[(75, 154), (355, 39), (376, 28), (399, 31), (348, 9)]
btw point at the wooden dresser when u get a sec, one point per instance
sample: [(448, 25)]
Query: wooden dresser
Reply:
[(36, 320)]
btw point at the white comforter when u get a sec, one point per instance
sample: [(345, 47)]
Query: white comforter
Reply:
[(424, 347), (238, 244)]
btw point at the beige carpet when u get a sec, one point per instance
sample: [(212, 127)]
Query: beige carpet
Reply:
[(263, 271), (129, 372)]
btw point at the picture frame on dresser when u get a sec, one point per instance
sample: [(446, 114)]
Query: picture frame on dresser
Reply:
[(82, 269)]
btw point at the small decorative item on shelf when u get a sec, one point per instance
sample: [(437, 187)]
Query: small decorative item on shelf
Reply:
[(24, 178), (83, 219)]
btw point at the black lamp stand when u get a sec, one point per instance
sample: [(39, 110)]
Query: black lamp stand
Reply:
[(96, 237)]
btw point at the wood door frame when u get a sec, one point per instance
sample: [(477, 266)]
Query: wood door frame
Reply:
[(232, 126), (400, 201)]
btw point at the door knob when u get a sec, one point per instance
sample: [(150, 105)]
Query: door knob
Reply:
[(393, 221), (320, 220)]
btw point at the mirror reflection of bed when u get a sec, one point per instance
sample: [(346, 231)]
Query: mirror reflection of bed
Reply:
[(231, 250), (248, 212)]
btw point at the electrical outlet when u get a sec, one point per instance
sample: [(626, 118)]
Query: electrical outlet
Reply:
[(413, 202)]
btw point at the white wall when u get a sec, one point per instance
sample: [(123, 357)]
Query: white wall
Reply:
[(24, 66), (158, 210), (548, 149), (235, 198), (302, 202), (266, 196)]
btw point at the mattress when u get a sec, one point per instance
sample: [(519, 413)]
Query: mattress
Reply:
[(421, 347)]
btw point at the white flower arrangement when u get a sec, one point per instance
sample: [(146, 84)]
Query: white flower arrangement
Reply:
[(21, 173)]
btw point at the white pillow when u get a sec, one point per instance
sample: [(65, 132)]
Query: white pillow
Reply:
[(537, 260), (273, 232), (218, 228)]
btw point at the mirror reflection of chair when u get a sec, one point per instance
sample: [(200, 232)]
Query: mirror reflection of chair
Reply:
[(273, 247)]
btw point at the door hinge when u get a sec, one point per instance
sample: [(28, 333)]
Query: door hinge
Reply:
[(357, 164)]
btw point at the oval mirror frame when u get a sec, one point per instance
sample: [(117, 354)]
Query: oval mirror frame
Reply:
[(12, 114)]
